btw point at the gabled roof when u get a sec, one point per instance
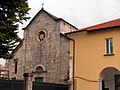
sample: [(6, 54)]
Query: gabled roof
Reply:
[(54, 17), (103, 26), (17, 47), (108, 24)]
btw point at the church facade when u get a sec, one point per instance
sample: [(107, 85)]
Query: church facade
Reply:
[(44, 51)]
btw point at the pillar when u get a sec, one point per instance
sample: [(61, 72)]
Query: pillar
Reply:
[(28, 81)]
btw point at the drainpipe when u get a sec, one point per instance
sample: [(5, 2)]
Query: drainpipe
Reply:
[(73, 62)]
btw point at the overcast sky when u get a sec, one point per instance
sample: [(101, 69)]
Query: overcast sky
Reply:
[(80, 13)]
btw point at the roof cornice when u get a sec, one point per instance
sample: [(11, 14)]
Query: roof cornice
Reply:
[(54, 17)]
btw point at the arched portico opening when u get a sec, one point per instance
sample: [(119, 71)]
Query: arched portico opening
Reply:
[(109, 79)]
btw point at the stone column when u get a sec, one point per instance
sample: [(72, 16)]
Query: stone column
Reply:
[(27, 81)]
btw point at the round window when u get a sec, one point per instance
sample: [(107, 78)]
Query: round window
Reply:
[(41, 36)]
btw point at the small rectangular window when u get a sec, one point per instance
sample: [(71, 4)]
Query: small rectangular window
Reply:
[(38, 79), (16, 67), (109, 46)]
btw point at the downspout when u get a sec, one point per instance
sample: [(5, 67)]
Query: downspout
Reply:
[(73, 64)]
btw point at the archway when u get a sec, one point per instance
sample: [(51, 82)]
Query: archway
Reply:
[(39, 73), (109, 79), (39, 69)]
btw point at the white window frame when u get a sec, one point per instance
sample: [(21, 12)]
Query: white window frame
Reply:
[(109, 46)]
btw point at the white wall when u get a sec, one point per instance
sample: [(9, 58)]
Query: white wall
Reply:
[(2, 62)]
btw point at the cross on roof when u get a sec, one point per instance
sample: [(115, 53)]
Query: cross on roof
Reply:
[(42, 5)]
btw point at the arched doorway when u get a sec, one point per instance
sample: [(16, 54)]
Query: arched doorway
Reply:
[(110, 79), (38, 73), (39, 69)]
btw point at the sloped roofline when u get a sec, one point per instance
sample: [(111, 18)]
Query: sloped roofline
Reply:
[(17, 47), (54, 17), (102, 26), (108, 24)]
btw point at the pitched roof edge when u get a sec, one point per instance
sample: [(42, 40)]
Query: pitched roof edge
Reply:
[(37, 15), (102, 26), (111, 23), (93, 30), (54, 17), (68, 23), (17, 47), (32, 19), (106, 28), (64, 35), (75, 32)]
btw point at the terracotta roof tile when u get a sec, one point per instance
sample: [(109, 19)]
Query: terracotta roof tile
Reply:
[(2, 67), (108, 24)]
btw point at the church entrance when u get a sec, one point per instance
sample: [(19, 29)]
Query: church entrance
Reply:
[(39, 79), (38, 74), (110, 79)]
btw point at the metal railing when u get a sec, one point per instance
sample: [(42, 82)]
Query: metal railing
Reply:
[(11, 84), (49, 86), (19, 85)]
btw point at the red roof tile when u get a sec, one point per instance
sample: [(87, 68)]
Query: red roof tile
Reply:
[(2, 67), (108, 24)]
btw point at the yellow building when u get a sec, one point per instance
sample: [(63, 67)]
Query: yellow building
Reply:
[(96, 55)]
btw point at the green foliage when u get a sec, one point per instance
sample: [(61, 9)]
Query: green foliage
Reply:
[(12, 12)]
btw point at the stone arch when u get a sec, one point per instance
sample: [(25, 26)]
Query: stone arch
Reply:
[(38, 73), (107, 78), (39, 68)]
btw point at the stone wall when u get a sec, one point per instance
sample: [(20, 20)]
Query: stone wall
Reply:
[(52, 54)]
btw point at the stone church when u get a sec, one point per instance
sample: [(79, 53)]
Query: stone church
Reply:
[(44, 50)]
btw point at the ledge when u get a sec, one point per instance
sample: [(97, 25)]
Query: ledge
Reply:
[(39, 71), (109, 54)]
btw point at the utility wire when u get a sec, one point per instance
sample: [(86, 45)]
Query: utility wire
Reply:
[(93, 80)]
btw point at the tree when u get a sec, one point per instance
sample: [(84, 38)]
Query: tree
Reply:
[(12, 12)]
